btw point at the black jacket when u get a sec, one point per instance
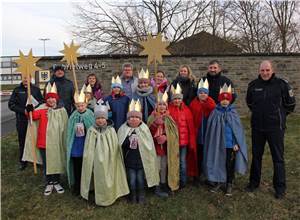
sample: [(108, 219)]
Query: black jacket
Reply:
[(65, 90), (215, 83), (18, 99), (132, 157), (188, 87), (270, 101)]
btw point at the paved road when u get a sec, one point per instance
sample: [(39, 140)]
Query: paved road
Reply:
[(8, 121)]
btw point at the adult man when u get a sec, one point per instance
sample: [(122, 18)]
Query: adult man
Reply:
[(216, 80), (17, 103), (65, 88), (270, 100), (129, 81)]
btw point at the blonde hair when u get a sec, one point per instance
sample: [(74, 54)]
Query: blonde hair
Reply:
[(190, 73)]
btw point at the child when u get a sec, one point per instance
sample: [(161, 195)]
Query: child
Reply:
[(79, 122), (183, 118), (102, 165), (166, 140), (225, 146), (144, 94), (118, 102), (50, 139), (201, 107), (90, 99), (138, 152)]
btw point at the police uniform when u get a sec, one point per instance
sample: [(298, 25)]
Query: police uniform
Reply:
[(270, 102), (17, 103)]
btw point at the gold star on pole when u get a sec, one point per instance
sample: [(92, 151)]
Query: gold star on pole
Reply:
[(155, 48), (70, 53), (26, 64)]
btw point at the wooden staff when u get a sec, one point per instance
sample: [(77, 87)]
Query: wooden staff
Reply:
[(74, 76)]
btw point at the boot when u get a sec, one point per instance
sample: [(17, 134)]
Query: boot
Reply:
[(228, 189), (164, 187), (132, 196), (141, 196), (160, 193), (216, 188)]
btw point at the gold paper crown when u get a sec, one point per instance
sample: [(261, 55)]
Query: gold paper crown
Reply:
[(226, 89), (178, 89), (80, 98), (51, 89), (116, 80), (162, 97), (135, 106), (203, 84), (144, 74), (87, 88)]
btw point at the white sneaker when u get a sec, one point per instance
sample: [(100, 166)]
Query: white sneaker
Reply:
[(59, 189), (48, 190)]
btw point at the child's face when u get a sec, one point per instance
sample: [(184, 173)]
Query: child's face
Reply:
[(51, 102), (161, 107), (81, 107), (143, 83), (202, 96), (177, 102), (134, 121), (159, 77), (100, 121), (92, 80), (116, 90), (224, 103)]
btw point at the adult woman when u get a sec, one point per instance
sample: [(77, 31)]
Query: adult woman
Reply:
[(95, 84), (159, 82)]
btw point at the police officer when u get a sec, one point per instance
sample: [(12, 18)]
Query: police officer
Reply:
[(65, 88), (270, 100), (216, 80), (17, 103)]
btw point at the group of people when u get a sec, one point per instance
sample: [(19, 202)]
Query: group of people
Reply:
[(149, 133)]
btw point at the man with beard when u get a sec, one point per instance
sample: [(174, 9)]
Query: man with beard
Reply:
[(216, 80)]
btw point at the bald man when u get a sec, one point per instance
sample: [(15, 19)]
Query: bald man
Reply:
[(270, 100)]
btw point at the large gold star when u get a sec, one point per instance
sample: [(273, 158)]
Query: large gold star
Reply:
[(26, 64), (70, 53), (155, 48)]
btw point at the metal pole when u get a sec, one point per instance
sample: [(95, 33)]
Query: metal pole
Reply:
[(44, 43)]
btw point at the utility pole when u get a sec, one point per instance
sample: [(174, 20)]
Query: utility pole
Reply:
[(44, 42)]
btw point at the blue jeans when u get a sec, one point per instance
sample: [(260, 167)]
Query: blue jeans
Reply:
[(183, 152), (135, 178), (51, 178)]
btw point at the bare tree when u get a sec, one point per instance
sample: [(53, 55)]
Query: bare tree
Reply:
[(118, 27)]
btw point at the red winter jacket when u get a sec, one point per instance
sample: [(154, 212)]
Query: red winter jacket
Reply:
[(158, 129), (201, 109), (41, 115), (184, 121)]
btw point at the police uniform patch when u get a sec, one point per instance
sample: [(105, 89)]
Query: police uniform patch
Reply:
[(291, 93)]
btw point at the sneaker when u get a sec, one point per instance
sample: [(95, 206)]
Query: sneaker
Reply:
[(59, 189), (48, 190), (160, 193), (250, 187), (228, 189), (216, 188), (22, 166)]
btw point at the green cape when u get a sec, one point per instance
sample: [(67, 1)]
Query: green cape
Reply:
[(88, 120), (55, 141), (103, 158), (146, 148), (172, 150)]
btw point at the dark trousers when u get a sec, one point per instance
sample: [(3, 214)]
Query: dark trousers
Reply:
[(230, 164), (135, 178), (77, 166), (275, 140), (50, 178), (200, 157), (21, 129)]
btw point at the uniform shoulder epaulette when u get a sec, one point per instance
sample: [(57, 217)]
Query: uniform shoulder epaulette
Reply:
[(284, 80)]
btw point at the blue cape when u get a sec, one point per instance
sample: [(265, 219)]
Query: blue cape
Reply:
[(214, 161)]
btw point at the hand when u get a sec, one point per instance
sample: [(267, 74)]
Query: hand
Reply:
[(236, 147), (161, 139), (29, 108)]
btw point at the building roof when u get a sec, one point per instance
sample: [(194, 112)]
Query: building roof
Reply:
[(203, 43)]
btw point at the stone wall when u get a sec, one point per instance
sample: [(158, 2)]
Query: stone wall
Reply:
[(241, 69)]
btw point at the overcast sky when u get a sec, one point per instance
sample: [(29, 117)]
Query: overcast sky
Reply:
[(24, 22)]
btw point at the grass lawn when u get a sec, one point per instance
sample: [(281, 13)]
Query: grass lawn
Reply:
[(22, 193)]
